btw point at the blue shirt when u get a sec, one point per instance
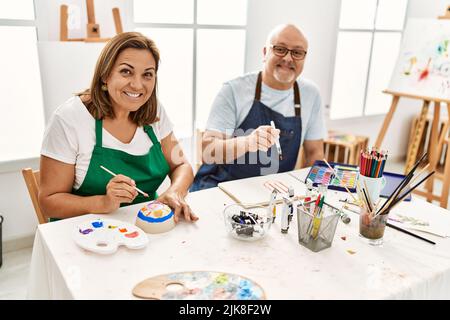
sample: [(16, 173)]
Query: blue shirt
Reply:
[(233, 102)]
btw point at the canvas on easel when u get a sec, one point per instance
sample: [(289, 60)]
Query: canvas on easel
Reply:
[(422, 72), (423, 65)]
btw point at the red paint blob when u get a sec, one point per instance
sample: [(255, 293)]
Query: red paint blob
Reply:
[(132, 235)]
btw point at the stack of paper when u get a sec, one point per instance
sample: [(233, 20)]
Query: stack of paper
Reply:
[(256, 191), (422, 221)]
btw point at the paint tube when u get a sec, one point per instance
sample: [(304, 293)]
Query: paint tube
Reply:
[(285, 216)]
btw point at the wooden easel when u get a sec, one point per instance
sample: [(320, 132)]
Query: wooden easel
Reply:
[(446, 15), (92, 28), (436, 141)]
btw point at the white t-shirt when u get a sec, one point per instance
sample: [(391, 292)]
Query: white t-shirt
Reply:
[(235, 99), (70, 137)]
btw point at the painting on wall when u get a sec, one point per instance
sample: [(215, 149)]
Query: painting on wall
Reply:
[(423, 65)]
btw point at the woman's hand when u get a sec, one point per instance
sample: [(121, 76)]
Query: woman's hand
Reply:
[(176, 201), (119, 189)]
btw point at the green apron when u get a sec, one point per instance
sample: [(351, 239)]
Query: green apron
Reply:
[(148, 170)]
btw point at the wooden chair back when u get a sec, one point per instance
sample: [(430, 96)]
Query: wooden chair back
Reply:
[(32, 181)]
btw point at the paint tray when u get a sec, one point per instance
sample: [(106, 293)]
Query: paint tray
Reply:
[(392, 182)]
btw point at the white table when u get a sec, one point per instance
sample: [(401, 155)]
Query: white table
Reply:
[(403, 268)]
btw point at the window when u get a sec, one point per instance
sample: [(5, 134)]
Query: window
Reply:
[(22, 114), (202, 45), (367, 47), (17, 10)]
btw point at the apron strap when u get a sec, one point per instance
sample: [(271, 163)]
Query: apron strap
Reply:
[(151, 134), (258, 87), (98, 132), (297, 104)]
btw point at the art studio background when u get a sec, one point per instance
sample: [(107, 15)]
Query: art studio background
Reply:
[(345, 56)]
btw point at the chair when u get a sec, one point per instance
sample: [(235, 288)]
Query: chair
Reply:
[(339, 147), (344, 147), (32, 181)]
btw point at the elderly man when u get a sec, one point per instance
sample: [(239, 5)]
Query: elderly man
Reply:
[(259, 121)]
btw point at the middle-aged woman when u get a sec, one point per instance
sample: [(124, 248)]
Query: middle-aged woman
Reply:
[(119, 124)]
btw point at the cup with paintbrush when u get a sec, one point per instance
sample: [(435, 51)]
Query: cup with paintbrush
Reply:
[(373, 215), (372, 226)]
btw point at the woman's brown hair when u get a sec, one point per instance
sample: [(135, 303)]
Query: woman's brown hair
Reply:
[(99, 103)]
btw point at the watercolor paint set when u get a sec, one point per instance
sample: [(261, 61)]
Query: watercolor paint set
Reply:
[(104, 236), (345, 176)]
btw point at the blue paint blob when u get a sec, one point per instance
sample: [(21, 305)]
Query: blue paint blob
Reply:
[(97, 224), (245, 291)]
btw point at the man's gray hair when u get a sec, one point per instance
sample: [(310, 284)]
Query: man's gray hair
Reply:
[(275, 31)]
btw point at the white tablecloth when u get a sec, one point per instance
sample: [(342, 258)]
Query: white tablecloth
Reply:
[(402, 268)]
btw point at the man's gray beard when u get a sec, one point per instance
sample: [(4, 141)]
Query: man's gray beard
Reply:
[(278, 78)]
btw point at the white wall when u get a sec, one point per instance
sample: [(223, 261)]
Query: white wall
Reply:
[(318, 19)]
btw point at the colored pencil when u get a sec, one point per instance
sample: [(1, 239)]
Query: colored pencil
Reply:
[(372, 163)]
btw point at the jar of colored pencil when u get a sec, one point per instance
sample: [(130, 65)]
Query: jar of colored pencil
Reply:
[(371, 226)]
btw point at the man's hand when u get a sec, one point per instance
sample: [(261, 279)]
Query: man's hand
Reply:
[(262, 138)]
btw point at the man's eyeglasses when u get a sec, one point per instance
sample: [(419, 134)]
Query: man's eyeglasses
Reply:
[(281, 51)]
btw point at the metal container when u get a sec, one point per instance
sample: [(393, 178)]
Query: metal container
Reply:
[(317, 233)]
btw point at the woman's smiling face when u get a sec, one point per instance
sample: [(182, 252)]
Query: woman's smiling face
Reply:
[(132, 79)]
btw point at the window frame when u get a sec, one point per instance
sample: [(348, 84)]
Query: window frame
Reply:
[(195, 27), (372, 32)]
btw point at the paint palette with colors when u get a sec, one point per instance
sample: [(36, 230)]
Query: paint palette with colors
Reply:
[(104, 236), (199, 285)]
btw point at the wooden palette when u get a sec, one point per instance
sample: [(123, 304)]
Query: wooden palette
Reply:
[(199, 285)]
